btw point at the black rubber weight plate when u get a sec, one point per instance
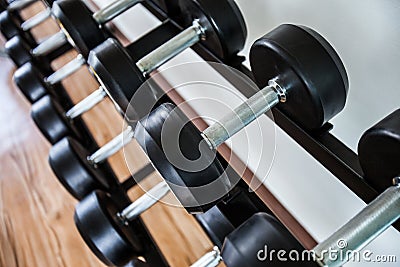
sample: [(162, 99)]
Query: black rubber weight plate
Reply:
[(50, 118), (31, 82), (165, 135), (110, 240), (241, 247), (77, 20), (117, 71), (379, 152), (19, 50), (227, 31), (68, 160), (307, 65)]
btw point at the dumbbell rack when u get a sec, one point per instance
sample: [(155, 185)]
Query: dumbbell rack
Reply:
[(327, 149), (333, 154)]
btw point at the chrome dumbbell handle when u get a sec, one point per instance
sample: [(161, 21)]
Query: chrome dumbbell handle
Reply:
[(87, 104), (50, 44), (170, 49), (113, 10), (367, 225), (144, 202), (211, 259), (112, 147), (36, 20), (243, 115), (68, 69)]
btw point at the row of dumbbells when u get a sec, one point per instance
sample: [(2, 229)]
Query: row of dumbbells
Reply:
[(296, 68)]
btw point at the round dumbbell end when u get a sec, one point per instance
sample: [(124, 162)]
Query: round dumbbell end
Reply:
[(226, 28), (183, 158), (77, 20), (110, 240), (9, 26), (263, 233), (50, 118), (68, 160), (216, 225), (379, 152), (18, 50), (31, 82), (117, 72), (308, 67)]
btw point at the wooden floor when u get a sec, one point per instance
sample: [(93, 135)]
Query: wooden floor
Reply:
[(36, 223)]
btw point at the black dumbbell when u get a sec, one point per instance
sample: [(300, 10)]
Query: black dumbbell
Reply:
[(11, 24), (222, 219), (80, 176), (108, 231), (304, 74), (379, 152), (379, 156), (245, 246), (80, 170), (119, 78), (216, 225), (122, 76)]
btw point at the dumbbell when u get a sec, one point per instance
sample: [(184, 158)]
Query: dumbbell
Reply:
[(55, 124), (242, 247), (79, 26), (11, 24), (305, 78), (112, 65), (379, 152), (213, 220), (222, 219), (80, 175), (108, 231), (224, 35), (78, 169), (216, 225)]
